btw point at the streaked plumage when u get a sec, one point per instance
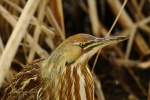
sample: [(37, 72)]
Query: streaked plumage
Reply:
[(64, 75)]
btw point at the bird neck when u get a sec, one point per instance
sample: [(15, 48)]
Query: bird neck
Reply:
[(53, 65), (71, 83)]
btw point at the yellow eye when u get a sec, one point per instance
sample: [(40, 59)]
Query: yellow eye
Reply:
[(81, 45)]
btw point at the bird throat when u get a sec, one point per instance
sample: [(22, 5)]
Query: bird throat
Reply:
[(70, 83)]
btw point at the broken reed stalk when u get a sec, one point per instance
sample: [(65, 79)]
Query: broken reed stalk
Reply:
[(133, 63), (53, 21), (126, 22), (13, 42), (95, 61), (57, 10), (48, 31), (12, 21), (37, 31), (110, 32)]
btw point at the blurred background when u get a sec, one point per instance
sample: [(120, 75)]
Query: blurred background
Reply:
[(121, 72)]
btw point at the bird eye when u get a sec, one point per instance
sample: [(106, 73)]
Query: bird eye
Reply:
[(81, 45)]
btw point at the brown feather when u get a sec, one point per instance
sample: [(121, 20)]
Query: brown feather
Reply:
[(25, 84)]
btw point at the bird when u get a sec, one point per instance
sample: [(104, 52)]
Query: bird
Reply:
[(64, 75)]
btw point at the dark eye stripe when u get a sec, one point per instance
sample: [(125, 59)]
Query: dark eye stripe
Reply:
[(68, 63), (82, 45)]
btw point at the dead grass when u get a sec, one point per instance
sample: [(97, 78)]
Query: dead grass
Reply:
[(30, 30)]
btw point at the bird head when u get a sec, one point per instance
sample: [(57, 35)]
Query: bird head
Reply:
[(79, 49)]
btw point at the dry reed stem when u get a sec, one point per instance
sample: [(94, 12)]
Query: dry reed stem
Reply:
[(34, 20), (116, 19), (110, 31), (145, 28), (126, 22), (19, 63), (140, 24), (60, 21), (124, 19), (116, 48), (41, 52), (119, 52), (98, 88), (103, 30), (48, 31), (130, 42), (131, 63), (140, 42), (13, 42), (94, 17), (143, 21), (8, 78), (1, 46), (95, 13), (37, 31), (84, 7), (13, 5), (144, 65), (4, 13), (29, 39), (50, 43), (141, 5), (122, 62), (54, 23), (138, 9)]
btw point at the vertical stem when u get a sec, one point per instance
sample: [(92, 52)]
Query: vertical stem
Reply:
[(16, 37)]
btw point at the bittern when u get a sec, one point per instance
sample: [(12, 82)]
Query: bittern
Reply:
[(64, 75)]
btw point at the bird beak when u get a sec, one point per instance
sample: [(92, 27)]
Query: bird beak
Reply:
[(101, 42)]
